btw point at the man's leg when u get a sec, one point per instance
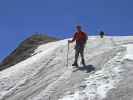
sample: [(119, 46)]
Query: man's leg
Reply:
[(82, 56), (76, 57)]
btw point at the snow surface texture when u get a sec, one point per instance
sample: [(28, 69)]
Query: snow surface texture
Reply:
[(45, 76), (129, 54)]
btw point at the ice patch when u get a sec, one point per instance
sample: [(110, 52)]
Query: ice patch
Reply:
[(129, 53)]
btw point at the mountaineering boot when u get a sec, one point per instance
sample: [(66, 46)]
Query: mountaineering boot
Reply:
[(75, 64), (83, 62)]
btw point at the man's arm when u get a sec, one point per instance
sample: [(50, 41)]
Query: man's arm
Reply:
[(74, 38)]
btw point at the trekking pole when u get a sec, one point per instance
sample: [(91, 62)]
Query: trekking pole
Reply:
[(67, 53)]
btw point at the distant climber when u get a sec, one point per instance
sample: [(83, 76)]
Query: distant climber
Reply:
[(102, 34), (81, 38)]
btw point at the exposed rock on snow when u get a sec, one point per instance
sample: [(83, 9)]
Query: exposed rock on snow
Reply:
[(25, 49)]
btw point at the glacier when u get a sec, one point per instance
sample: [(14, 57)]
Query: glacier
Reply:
[(45, 76)]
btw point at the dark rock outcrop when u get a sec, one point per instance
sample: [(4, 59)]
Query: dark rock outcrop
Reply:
[(25, 49)]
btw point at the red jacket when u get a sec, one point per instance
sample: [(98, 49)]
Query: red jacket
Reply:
[(80, 37)]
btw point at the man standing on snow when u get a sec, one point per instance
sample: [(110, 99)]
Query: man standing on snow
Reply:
[(81, 38), (101, 34)]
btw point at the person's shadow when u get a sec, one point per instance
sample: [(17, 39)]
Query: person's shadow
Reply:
[(87, 68)]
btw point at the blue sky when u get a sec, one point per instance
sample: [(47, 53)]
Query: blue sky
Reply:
[(21, 18)]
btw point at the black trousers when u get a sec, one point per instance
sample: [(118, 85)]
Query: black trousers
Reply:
[(79, 49)]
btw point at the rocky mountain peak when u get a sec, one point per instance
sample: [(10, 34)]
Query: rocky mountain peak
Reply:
[(25, 49)]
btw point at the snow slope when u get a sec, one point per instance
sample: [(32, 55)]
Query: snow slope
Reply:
[(45, 76), (129, 54)]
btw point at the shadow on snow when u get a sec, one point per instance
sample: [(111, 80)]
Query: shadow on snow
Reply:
[(87, 68)]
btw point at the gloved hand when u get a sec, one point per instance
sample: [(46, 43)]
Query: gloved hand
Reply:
[(69, 41)]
